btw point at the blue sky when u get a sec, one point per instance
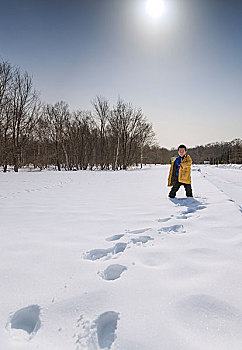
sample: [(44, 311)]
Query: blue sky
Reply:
[(183, 69)]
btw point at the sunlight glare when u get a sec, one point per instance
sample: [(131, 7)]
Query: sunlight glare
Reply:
[(155, 8)]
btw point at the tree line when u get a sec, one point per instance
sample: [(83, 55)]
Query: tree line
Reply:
[(213, 153), (218, 152), (108, 137), (31, 132)]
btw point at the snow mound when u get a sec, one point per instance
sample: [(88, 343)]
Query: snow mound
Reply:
[(211, 315), (153, 258)]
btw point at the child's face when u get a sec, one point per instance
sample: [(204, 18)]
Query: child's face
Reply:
[(182, 152)]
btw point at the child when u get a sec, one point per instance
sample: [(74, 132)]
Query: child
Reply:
[(180, 173)]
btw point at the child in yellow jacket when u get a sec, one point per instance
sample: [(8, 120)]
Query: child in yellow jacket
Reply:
[(180, 173)]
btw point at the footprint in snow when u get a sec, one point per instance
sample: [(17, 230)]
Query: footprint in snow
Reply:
[(96, 254), (100, 333), (25, 323), (163, 220), (142, 239), (192, 210), (172, 229), (182, 217), (114, 238), (192, 204), (106, 326), (112, 272), (136, 232)]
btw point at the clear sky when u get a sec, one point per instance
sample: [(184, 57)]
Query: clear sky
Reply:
[(184, 68)]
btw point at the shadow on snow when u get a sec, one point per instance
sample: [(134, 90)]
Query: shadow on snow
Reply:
[(191, 204)]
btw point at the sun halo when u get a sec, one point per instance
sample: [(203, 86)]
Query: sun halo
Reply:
[(155, 8)]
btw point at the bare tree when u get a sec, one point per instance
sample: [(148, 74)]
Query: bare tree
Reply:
[(81, 138), (57, 117), (132, 133), (102, 112), (6, 75), (24, 114), (45, 153)]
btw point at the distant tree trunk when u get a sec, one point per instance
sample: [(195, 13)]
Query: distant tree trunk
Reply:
[(66, 157), (141, 156), (117, 155)]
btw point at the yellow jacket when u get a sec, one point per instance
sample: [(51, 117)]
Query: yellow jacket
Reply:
[(184, 171)]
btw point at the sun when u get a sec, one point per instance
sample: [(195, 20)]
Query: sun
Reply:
[(155, 8)]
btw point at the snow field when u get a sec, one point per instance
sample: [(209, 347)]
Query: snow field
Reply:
[(104, 260)]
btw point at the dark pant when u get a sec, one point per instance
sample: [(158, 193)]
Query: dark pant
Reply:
[(177, 185)]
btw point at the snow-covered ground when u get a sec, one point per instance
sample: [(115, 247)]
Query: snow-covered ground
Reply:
[(104, 260)]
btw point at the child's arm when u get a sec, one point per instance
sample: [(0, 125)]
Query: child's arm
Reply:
[(187, 162)]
